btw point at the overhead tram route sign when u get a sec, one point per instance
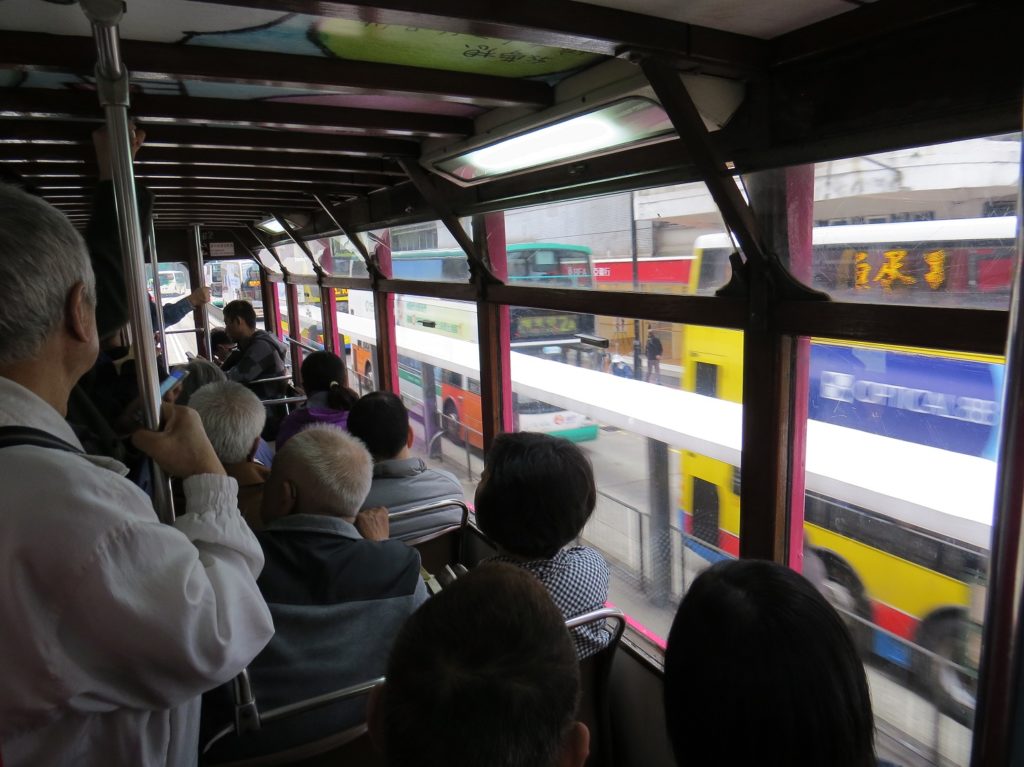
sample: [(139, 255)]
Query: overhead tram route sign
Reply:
[(221, 249), (920, 485)]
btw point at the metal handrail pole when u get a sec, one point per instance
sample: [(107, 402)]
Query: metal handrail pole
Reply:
[(159, 313), (112, 88), (301, 345), (204, 309), (182, 331)]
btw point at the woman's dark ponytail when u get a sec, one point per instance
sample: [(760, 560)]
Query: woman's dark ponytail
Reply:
[(340, 397)]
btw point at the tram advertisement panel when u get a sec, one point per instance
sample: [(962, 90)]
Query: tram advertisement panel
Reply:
[(946, 402)]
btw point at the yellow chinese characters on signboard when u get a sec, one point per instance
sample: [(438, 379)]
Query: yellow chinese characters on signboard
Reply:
[(893, 270), (936, 274)]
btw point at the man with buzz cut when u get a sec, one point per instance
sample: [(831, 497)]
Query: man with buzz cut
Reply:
[(233, 418), (401, 480), (113, 624)]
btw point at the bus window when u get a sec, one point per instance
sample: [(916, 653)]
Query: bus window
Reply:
[(705, 511), (707, 379), (452, 379)]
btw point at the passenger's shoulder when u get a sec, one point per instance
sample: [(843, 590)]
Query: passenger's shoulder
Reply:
[(446, 475), (584, 556), (56, 477)]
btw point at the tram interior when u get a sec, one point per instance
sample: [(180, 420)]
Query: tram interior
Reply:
[(501, 212)]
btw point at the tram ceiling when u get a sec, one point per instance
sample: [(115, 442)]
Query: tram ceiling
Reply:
[(862, 101), (832, 87), (77, 55), (556, 23)]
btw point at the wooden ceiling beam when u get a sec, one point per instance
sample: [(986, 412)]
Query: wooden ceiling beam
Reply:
[(161, 186), (190, 110), (58, 155), (859, 26), (77, 55), (64, 174), (162, 135)]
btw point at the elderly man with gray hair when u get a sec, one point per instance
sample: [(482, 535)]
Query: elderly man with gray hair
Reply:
[(233, 418), (114, 623), (338, 590)]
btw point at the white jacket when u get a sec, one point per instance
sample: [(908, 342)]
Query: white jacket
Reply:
[(111, 623)]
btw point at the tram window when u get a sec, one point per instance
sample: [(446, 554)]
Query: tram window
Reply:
[(643, 240), (358, 329), (444, 412), (344, 259), (175, 286), (932, 242), (268, 262), (900, 477), (295, 259), (424, 251), (640, 429)]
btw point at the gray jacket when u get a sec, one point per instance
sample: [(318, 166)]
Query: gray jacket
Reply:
[(338, 602), (401, 484)]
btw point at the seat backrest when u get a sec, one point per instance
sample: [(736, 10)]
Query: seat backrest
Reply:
[(443, 546), (595, 673), (249, 719)]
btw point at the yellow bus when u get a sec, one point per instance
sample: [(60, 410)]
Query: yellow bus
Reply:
[(912, 582)]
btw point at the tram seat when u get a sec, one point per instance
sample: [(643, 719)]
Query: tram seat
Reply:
[(350, 746), (595, 675), (444, 546)]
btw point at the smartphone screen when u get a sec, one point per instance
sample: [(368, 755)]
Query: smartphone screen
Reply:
[(176, 377)]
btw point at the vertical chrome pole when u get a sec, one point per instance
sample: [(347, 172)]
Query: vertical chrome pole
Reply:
[(159, 313), (998, 696), (204, 311), (112, 88)]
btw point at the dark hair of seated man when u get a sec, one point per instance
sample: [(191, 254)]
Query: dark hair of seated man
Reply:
[(536, 493), (380, 420), (240, 309), (789, 687), (482, 674)]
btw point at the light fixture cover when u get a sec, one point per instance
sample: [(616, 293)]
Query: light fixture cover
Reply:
[(270, 225), (632, 120)]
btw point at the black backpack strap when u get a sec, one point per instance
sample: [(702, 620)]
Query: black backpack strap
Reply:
[(16, 436)]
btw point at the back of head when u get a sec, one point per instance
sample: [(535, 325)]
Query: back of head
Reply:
[(325, 372), (789, 687), (232, 416), (536, 494), (331, 470), (240, 309), (41, 258), (381, 421), (200, 373), (219, 336), (484, 673)]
